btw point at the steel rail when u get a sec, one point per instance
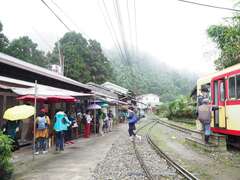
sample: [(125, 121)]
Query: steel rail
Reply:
[(179, 168), (143, 126), (142, 164), (179, 128)]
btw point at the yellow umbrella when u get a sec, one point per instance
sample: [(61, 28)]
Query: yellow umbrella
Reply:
[(18, 112)]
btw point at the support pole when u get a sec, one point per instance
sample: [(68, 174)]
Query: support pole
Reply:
[(34, 119), (94, 116)]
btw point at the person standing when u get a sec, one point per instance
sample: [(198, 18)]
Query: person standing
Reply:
[(105, 123), (42, 125), (87, 125), (110, 120), (204, 116), (11, 128), (132, 120), (61, 123), (101, 117)]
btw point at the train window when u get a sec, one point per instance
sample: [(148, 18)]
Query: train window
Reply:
[(238, 86), (222, 92), (231, 87)]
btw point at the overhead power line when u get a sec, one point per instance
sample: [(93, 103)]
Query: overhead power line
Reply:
[(70, 19), (111, 29), (210, 6), (130, 27), (55, 15), (135, 20)]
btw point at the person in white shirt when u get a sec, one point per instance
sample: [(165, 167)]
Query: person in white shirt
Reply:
[(87, 125)]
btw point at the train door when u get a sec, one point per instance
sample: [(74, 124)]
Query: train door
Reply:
[(219, 101)]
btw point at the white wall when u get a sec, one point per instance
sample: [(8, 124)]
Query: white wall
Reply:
[(149, 99)]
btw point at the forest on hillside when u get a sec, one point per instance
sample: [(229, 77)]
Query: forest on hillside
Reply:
[(146, 74)]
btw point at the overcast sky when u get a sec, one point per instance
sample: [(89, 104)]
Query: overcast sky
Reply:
[(171, 31)]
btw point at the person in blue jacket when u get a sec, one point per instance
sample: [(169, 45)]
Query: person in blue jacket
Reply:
[(132, 120), (61, 124)]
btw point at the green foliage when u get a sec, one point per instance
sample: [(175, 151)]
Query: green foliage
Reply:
[(25, 49), (83, 60), (182, 107), (227, 38), (3, 40), (6, 167)]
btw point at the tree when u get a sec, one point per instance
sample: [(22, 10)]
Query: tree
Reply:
[(83, 60), (25, 49), (227, 38), (3, 40)]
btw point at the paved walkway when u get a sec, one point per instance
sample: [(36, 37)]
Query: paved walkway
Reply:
[(77, 161)]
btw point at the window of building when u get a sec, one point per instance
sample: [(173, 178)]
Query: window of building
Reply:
[(238, 86), (232, 87)]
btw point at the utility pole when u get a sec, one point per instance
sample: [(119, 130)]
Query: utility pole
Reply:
[(61, 59)]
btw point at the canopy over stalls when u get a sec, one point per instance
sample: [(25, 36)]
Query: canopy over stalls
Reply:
[(47, 93)]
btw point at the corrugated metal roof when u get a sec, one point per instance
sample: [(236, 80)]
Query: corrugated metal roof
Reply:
[(101, 91), (12, 61), (43, 90)]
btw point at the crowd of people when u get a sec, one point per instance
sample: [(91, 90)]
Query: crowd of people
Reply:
[(63, 124), (60, 128)]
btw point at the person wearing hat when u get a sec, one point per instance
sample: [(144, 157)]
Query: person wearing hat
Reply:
[(204, 116), (42, 125)]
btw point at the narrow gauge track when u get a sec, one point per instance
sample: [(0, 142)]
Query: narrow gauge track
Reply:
[(186, 174), (176, 127)]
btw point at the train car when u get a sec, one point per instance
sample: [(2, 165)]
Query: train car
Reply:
[(224, 92)]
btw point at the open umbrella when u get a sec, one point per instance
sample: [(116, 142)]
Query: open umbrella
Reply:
[(94, 106), (104, 105), (18, 112)]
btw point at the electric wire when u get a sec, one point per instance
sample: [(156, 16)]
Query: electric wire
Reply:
[(210, 6), (121, 29), (111, 29), (70, 19), (135, 20), (55, 15), (130, 26)]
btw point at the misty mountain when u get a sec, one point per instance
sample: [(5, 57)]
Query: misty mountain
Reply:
[(146, 74)]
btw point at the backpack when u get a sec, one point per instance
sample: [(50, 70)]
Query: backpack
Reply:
[(42, 123)]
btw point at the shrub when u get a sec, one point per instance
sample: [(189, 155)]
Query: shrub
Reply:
[(182, 107), (6, 167)]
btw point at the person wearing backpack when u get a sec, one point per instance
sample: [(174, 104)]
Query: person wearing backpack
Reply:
[(42, 125), (132, 120), (61, 123)]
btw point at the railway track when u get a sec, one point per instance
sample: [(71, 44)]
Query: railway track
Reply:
[(176, 127), (183, 172)]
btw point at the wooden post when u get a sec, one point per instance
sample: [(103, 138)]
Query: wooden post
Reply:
[(34, 119)]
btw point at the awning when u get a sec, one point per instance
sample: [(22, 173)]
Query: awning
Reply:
[(52, 99), (47, 91), (31, 98)]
